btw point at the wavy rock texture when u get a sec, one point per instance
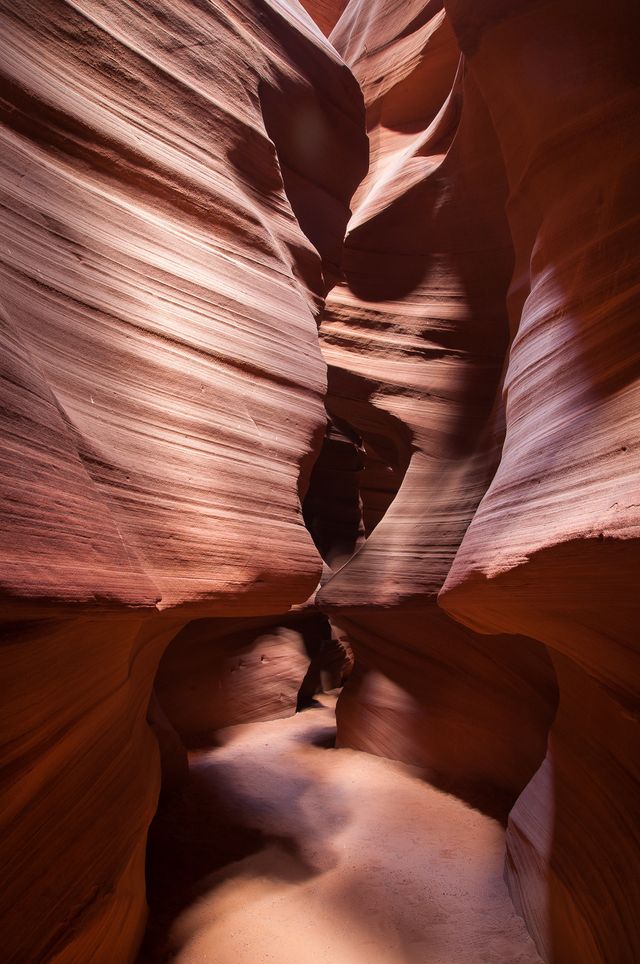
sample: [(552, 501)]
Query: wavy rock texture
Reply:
[(176, 180), (415, 339), (214, 675), (553, 548), (161, 396)]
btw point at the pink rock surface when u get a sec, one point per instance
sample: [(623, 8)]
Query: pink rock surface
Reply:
[(222, 672), (161, 400), (325, 13), (542, 130), (155, 265), (553, 549), (175, 185), (415, 340)]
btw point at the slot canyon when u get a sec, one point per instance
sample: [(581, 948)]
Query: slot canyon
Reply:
[(320, 478)]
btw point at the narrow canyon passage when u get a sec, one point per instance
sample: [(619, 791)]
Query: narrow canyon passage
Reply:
[(352, 859), (319, 374)]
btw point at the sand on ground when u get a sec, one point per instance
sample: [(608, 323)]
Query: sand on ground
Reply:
[(360, 862)]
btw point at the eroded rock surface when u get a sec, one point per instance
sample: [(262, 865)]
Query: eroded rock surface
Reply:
[(221, 672), (325, 13), (553, 549), (176, 182), (162, 399), (490, 288), (415, 339)]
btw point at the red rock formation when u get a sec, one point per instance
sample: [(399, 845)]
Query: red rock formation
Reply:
[(175, 184), (221, 672), (415, 340), (161, 395), (325, 13), (553, 549)]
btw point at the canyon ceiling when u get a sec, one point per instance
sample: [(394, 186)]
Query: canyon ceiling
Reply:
[(319, 329)]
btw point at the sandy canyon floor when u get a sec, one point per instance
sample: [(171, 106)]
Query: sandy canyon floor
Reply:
[(285, 850)]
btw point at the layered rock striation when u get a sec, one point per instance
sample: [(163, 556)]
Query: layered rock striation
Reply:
[(415, 338), (552, 550), (171, 215), (454, 457), (484, 340), (222, 672)]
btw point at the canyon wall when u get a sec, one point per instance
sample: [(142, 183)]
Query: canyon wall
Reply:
[(175, 184), (221, 672), (325, 13), (415, 339), (484, 344), (552, 550)]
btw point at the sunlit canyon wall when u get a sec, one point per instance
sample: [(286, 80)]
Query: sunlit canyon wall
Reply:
[(162, 400), (484, 343), (176, 181)]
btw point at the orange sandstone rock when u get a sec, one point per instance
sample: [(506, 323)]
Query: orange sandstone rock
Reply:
[(553, 549), (161, 400), (325, 13), (415, 339)]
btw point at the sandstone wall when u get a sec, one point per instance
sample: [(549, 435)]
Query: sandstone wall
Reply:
[(485, 341), (162, 400), (175, 180), (553, 549), (415, 338)]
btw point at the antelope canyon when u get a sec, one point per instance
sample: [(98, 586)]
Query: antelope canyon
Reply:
[(320, 475)]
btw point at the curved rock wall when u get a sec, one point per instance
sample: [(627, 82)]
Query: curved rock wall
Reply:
[(325, 13), (553, 548), (221, 672), (175, 182), (451, 329), (415, 339), (162, 391)]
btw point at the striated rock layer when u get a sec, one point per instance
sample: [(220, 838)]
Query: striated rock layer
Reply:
[(415, 339), (175, 182), (325, 13), (172, 213), (222, 672), (553, 549), (484, 346)]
